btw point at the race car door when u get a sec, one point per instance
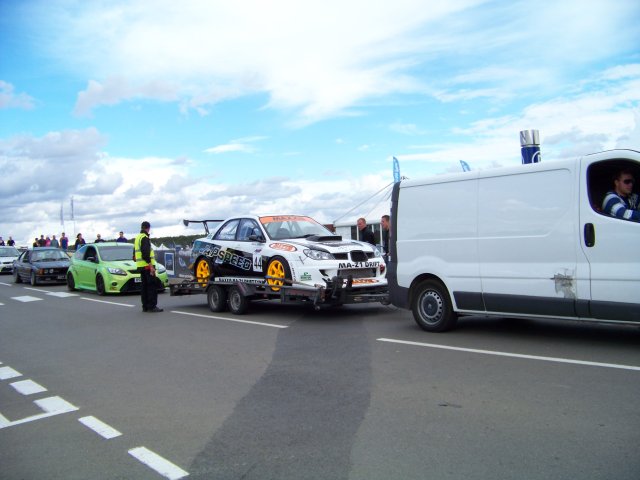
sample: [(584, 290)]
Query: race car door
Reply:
[(235, 257)]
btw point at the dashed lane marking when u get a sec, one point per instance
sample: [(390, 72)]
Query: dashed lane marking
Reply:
[(98, 426), (230, 319), (51, 405), (28, 387), (157, 463), (26, 298), (514, 355), (105, 301), (52, 294), (6, 284), (8, 372)]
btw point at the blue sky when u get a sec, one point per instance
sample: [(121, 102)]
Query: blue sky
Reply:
[(164, 110)]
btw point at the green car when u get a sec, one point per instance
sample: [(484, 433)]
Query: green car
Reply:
[(108, 267)]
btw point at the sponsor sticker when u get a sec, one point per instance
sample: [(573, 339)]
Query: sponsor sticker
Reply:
[(359, 265), (305, 276), (223, 255), (283, 246), (362, 281), (285, 218), (253, 281)]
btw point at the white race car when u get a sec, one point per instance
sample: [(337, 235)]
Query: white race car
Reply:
[(290, 255)]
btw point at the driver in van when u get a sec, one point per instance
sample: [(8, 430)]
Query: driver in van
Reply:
[(621, 202)]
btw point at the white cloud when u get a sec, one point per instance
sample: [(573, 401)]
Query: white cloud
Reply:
[(10, 99)]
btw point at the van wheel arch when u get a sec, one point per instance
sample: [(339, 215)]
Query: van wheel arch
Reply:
[(431, 305)]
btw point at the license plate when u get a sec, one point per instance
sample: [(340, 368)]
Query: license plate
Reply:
[(61, 277), (137, 280)]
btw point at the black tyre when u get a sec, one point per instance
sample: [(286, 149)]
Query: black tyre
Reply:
[(432, 308), (217, 298), (34, 279), (238, 303), (16, 276), (100, 285), (71, 283)]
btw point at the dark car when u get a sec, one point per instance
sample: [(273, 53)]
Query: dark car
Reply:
[(41, 265)]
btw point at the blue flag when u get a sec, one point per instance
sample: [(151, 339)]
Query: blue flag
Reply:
[(465, 166), (396, 170)]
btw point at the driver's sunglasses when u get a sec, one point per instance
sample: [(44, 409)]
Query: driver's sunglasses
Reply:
[(628, 181)]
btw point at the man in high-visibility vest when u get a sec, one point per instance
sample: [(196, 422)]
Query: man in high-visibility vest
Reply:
[(146, 262)]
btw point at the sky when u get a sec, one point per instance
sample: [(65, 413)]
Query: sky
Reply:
[(161, 110)]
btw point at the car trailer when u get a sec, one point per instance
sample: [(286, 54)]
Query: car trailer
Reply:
[(236, 294)]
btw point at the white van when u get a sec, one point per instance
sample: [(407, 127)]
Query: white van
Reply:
[(523, 241)]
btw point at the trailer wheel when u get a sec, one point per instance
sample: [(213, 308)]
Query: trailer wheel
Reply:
[(202, 271), (279, 268), (238, 303), (217, 298), (432, 308)]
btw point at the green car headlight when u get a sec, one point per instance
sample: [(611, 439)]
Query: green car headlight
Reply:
[(116, 271), (160, 268)]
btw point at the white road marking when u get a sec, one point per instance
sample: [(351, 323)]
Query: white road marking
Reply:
[(36, 289), (105, 301), (514, 355), (157, 463), (6, 284), (231, 319), (51, 405), (1, 304), (8, 372), (26, 298), (62, 294), (101, 428), (28, 387)]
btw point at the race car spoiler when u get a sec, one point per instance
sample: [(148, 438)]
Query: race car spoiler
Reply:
[(205, 223)]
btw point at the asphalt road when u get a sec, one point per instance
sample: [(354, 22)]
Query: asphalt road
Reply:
[(92, 388)]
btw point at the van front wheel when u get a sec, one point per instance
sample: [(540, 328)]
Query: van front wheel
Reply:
[(432, 308)]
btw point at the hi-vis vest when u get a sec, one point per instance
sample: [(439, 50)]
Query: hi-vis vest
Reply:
[(137, 253)]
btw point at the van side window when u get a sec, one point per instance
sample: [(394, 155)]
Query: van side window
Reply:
[(600, 180)]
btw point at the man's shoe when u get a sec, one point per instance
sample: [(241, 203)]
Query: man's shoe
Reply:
[(155, 309)]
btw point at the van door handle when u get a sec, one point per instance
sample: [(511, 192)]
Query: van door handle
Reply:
[(589, 235)]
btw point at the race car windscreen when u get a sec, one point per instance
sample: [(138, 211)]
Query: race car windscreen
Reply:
[(292, 226)]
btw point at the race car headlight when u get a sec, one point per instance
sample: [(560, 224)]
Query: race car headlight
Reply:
[(376, 252), (160, 268), (116, 271), (317, 254)]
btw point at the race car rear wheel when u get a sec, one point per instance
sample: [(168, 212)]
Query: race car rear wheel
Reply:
[(279, 271), (202, 271), (217, 298), (238, 303)]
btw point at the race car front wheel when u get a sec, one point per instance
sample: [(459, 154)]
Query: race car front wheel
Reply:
[(277, 272)]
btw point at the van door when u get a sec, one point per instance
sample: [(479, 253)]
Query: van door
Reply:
[(527, 226), (611, 245)]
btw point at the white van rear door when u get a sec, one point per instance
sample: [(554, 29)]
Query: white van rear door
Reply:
[(611, 245)]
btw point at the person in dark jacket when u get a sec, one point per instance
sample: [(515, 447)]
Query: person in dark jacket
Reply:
[(364, 233)]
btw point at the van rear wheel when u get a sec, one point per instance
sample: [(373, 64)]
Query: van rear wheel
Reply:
[(432, 308)]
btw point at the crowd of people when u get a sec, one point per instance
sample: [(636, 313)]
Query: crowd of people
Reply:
[(63, 242)]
